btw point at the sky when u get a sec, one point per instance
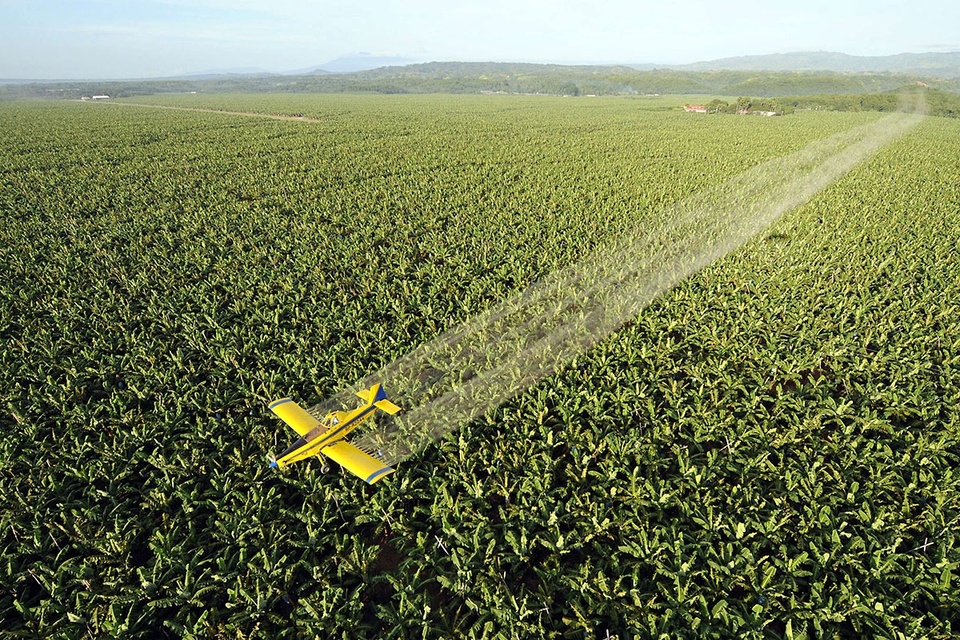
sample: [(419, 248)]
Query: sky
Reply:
[(110, 39)]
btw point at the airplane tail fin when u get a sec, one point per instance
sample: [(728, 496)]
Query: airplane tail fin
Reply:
[(376, 396)]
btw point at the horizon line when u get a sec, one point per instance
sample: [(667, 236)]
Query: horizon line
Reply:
[(652, 66)]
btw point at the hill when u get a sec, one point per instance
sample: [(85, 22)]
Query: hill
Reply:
[(360, 62), (943, 65), (773, 76)]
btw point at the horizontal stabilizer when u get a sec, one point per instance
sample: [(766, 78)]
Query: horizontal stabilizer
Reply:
[(357, 462), (294, 415), (387, 406)]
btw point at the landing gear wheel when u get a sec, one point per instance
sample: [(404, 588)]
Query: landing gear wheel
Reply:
[(325, 468)]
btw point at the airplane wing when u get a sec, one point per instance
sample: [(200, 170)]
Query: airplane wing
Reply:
[(357, 462), (294, 415)]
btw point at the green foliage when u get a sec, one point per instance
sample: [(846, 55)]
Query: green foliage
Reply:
[(745, 105), (937, 102), (770, 450)]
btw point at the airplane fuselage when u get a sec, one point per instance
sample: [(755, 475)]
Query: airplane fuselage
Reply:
[(326, 437), (335, 427)]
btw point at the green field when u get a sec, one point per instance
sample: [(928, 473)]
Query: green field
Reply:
[(769, 450)]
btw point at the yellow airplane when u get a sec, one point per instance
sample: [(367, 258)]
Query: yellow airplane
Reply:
[(326, 437)]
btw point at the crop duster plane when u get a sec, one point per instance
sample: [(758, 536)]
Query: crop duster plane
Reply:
[(326, 437)]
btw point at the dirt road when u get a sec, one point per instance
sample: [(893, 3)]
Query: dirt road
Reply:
[(248, 114)]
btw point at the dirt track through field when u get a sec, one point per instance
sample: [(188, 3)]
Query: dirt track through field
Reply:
[(246, 114)]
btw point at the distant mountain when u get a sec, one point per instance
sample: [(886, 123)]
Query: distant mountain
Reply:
[(306, 71), (573, 80), (220, 73), (361, 62), (757, 76), (944, 65)]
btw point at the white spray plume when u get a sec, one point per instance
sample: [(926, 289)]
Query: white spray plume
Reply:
[(486, 360)]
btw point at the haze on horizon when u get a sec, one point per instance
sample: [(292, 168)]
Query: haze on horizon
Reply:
[(114, 39)]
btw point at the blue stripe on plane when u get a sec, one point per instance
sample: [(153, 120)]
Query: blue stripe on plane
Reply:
[(277, 403), (377, 474), (349, 422), (299, 444)]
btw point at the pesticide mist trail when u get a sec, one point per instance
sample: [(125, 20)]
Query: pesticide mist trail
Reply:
[(500, 353)]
